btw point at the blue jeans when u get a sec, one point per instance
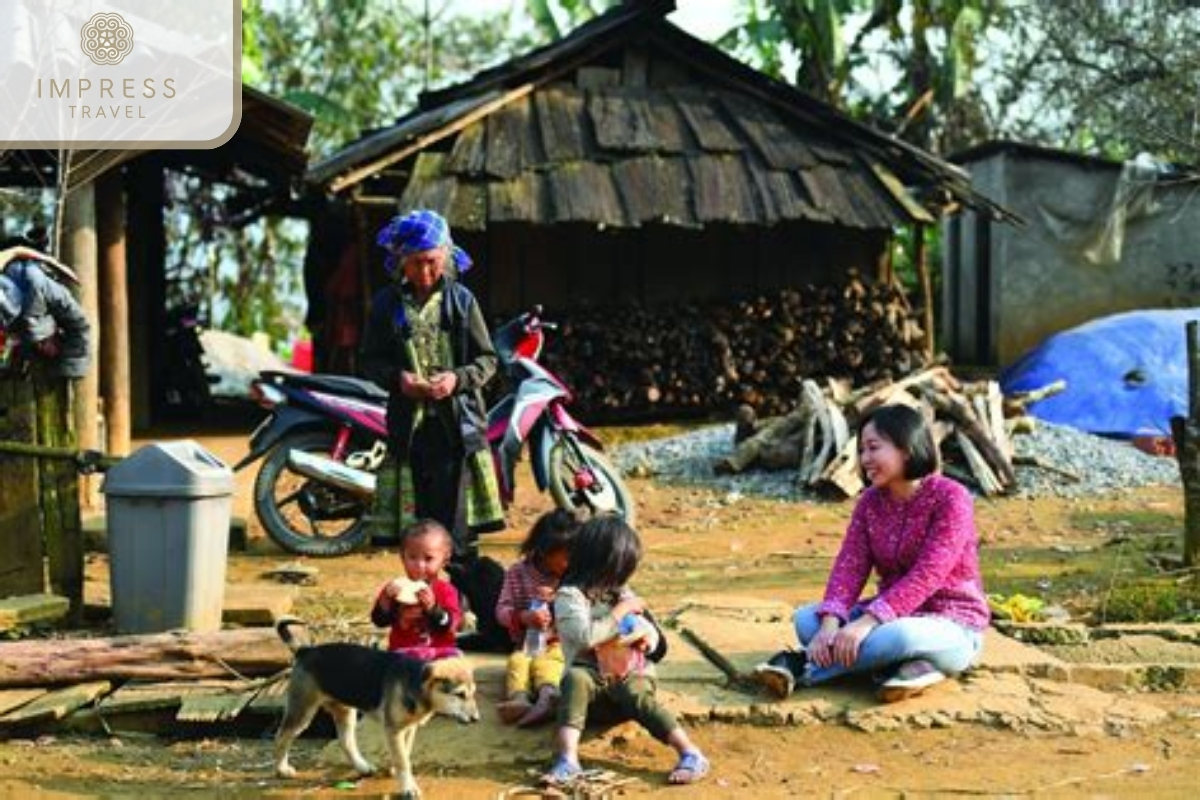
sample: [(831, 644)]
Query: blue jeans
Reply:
[(944, 643)]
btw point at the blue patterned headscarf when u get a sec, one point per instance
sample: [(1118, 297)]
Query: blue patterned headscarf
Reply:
[(416, 232)]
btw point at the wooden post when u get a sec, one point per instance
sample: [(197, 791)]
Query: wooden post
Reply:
[(145, 285), (1186, 432), (79, 252), (114, 314), (926, 287), (41, 535)]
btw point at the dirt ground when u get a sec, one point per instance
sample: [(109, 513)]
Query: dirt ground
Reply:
[(704, 546)]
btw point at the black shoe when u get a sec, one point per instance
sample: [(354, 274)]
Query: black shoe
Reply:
[(781, 672)]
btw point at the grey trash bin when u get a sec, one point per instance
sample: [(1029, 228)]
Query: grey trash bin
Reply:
[(168, 537)]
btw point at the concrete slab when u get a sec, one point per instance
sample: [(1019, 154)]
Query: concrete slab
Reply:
[(30, 608), (1005, 654), (1017, 687), (257, 603)]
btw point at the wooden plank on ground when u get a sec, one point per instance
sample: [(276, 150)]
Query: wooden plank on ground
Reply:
[(138, 696), (272, 698), (28, 608), (215, 706), (56, 705), (258, 603), (162, 656), (15, 698)]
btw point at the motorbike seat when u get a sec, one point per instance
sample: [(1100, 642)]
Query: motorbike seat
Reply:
[(335, 384)]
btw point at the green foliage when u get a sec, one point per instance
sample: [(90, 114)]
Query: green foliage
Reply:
[(359, 64), (556, 18), (926, 49), (1159, 600), (21, 209), (245, 280), (353, 65), (1112, 78)]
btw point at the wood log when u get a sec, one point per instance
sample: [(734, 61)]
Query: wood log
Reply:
[(1041, 463), (958, 409), (1018, 403), (891, 392), (766, 442), (842, 475), (996, 424), (989, 484), (735, 676), (250, 652), (831, 431), (1020, 425), (675, 358)]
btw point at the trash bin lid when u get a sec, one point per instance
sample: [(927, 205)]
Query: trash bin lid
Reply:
[(169, 469)]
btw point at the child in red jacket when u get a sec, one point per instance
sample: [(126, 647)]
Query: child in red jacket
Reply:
[(421, 608)]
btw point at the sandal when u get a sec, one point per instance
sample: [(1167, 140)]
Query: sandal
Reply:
[(692, 767), (563, 772)]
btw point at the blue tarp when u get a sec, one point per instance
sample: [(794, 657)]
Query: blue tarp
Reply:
[(1126, 374)]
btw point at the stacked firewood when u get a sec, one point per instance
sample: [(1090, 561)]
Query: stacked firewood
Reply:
[(693, 359), (973, 425)]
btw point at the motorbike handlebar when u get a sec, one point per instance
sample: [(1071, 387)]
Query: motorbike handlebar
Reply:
[(534, 321)]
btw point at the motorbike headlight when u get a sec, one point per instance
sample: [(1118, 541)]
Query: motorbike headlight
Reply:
[(266, 395)]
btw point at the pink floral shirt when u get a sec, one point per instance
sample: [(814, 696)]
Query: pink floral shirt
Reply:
[(924, 551)]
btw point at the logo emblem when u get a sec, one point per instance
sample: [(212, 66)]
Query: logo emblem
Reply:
[(106, 38)]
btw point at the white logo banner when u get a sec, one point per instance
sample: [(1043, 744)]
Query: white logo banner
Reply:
[(119, 74)]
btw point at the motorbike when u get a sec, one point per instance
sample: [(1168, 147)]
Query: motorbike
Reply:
[(565, 457), (321, 443), (325, 437)]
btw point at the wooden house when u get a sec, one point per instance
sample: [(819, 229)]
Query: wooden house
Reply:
[(114, 237), (626, 162)]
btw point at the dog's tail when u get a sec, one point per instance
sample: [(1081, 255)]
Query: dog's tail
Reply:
[(283, 627)]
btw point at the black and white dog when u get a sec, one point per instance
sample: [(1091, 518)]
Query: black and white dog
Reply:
[(402, 692)]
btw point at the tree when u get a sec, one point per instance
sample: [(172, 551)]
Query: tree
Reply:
[(556, 18), (359, 64), (905, 67), (1114, 78), (353, 65)]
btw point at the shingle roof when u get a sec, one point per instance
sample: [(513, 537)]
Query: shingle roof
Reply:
[(531, 141)]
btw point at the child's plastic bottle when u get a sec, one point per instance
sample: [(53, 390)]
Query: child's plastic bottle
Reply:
[(535, 638)]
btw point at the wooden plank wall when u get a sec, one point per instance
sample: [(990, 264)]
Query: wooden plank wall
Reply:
[(41, 535), (566, 266)]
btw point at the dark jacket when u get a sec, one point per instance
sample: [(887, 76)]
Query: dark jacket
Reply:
[(384, 357), (37, 307)]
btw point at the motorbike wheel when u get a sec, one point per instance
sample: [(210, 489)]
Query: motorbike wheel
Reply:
[(567, 458), (302, 515)]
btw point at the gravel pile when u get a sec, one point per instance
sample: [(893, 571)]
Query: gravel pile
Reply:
[(1102, 465)]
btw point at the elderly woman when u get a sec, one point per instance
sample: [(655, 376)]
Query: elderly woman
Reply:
[(427, 343)]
